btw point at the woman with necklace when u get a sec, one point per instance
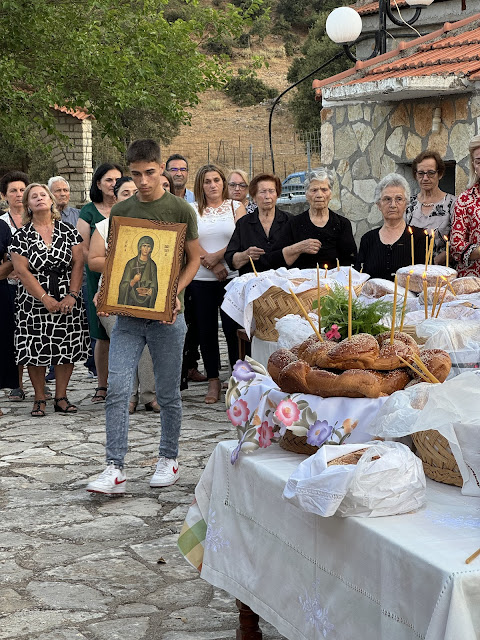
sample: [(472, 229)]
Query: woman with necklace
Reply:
[(50, 321), (386, 249), (432, 208), (102, 199), (256, 233)]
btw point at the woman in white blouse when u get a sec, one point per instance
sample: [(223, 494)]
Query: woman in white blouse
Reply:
[(216, 217)]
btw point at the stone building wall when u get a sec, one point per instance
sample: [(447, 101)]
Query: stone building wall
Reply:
[(365, 142), (73, 158)]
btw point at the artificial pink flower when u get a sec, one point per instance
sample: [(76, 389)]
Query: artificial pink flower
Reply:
[(238, 412), (265, 435), (333, 334), (287, 412)]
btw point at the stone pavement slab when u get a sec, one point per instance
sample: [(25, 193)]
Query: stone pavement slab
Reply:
[(79, 566)]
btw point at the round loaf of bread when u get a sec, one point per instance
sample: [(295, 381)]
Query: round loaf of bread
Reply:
[(416, 272), (437, 361), (467, 285), (299, 377)]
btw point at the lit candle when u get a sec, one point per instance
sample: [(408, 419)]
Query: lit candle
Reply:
[(432, 242), (394, 310), (325, 266), (435, 296), (404, 307), (349, 303), (318, 300), (425, 293), (412, 250), (447, 250)]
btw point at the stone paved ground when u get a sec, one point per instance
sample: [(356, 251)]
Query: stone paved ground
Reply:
[(79, 566)]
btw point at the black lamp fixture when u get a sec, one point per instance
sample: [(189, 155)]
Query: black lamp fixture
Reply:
[(344, 25)]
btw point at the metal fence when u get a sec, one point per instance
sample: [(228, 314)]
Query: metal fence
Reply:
[(297, 152)]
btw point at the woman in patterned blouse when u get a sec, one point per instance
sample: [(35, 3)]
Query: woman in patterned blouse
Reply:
[(432, 208), (465, 234), (50, 322)]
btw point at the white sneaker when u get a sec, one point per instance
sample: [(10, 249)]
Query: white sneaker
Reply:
[(111, 481), (166, 473)]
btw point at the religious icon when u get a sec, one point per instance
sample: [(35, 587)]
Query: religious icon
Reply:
[(138, 287), (144, 258)]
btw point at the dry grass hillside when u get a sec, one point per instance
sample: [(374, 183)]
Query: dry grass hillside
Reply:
[(233, 136)]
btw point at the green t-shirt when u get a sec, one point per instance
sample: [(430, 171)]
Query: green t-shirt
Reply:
[(168, 208)]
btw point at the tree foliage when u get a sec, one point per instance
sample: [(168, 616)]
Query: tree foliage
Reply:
[(317, 49), (132, 64)]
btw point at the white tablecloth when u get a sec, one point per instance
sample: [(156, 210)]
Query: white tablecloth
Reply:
[(393, 578)]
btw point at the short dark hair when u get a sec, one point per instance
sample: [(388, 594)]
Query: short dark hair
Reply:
[(176, 156), (426, 155), (95, 194), (144, 151), (13, 176), (120, 182), (253, 186)]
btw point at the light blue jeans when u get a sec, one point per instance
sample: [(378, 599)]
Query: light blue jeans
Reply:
[(165, 343)]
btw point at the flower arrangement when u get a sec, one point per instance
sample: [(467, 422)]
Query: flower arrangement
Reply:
[(365, 317)]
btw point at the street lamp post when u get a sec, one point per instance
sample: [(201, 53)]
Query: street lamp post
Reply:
[(344, 25)]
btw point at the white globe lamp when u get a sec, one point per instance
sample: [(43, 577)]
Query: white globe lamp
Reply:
[(344, 25)]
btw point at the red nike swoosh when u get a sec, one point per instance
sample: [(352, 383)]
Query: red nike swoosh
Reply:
[(117, 481), (175, 470)]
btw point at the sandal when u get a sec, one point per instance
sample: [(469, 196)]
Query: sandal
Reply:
[(16, 395), (70, 408), (152, 406), (37, 411), (213, 391), (98, 397)]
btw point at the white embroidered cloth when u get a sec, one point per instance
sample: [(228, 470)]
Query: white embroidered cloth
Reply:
[(242, 291), (394, 578)]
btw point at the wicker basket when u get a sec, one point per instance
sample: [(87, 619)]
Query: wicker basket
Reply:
[(298, 444), (276, 303), (411, 330), (437, 457)]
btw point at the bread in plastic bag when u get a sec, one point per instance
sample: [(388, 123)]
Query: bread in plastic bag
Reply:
[(451, 408), (387, 480), (391, 484)]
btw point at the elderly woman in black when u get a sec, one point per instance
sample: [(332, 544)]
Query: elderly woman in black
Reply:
[(256, 233), (318, 235), (386, 249)]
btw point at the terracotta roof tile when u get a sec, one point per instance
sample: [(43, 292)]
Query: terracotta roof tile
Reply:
[(80, 114), (452, 50), (372, 7)]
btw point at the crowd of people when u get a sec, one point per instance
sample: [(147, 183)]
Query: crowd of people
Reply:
[(53, 256)]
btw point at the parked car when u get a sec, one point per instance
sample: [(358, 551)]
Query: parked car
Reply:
[(294, 184)]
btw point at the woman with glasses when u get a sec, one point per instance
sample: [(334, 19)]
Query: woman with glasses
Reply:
[(318, 235), (256, 234), (237, 181), (216, 217), (431, 208), (386, 249)]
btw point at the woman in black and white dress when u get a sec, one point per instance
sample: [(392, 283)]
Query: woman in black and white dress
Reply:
[(50, 323)]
